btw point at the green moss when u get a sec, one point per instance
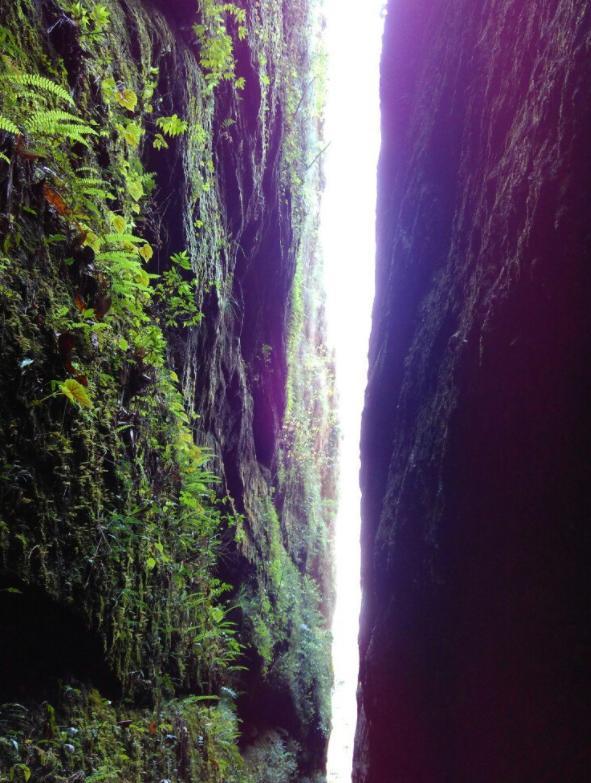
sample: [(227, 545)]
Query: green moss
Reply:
[(128, 489), (273, 759), (288, 630), (87, 738), (115, 507)]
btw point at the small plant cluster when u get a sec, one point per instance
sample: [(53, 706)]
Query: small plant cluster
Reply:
[(93, 20), (177, 295), (34, 106), (79, 195), (216, 43), (125, 97), (273, 759), (172, 126), (85, 738)]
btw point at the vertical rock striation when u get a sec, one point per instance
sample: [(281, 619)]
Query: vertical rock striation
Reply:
[(476, 444)]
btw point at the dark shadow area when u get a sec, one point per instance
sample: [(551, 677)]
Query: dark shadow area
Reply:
[(43, 643), (263, 708)]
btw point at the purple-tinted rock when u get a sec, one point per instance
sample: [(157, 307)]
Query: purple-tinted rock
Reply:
[(476, 639)]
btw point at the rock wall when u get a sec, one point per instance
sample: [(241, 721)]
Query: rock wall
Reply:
[(476, 441), (167, 428)]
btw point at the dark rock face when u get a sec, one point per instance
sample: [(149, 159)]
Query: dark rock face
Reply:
[(476, 441)]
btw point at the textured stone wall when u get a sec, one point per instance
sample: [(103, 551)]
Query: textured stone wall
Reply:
[(476, 445)]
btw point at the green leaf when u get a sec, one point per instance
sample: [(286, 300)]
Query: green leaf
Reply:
[(9, 127), (20, 769), (131, 132), (172, 126), (127, 98), (101, 16), (146, 252), (119, 223), (75, 392), (135, 189), (159, 142), (182, 259)]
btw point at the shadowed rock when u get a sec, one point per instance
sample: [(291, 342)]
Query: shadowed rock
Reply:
[(476, 441)]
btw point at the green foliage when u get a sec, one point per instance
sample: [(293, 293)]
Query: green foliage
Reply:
[(159, 142), (20, 772), (127, 98), (131, 132), (52, 122), (150, 522), (290, 635), (60, 126), (92, 18), (41, 84), (172, 126), (130, 528), (199, 135), (75, 392), (118, 94), (9, 127), (90, 740), (176, 295), (215, 40), (273, 759), (29, 107)]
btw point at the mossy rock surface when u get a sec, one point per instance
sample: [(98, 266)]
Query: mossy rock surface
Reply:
[(167, 448)]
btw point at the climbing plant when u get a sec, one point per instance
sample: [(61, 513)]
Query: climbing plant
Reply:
[(216, 43)]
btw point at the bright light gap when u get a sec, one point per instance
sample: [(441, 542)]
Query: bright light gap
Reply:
[(353, 43)]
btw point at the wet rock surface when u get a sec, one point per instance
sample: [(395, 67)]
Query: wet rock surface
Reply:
[(475, 634)]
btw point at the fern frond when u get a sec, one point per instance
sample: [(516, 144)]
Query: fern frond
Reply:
[(40, 82), (78, 130), (8, 126), (60, 124), (85, 181), (76, 134), (120, 239), (5, 158), (53, 119), (98, 193), (36, 97), (173, 126), (118, 256)]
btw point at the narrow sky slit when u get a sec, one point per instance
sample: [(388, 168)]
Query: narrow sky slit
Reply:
[(353, 39)]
